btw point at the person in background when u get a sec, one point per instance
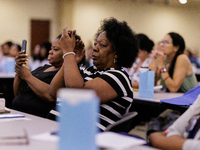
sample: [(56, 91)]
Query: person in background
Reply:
[(6, 47), (192, 58), (88, 54), (35, 56), (8, 62), (36, 52), (14, 50), (43, 54), (172, 66), (144, 59), (31, 89), (115, 47), (183, 134), (5, 52), (1, 52)]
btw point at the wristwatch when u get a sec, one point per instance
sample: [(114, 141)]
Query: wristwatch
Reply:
[(163, 70)]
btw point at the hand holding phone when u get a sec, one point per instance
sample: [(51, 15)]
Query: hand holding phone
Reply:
[(24, 45)]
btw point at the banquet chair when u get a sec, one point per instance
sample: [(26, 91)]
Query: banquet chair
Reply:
[(124, 124)]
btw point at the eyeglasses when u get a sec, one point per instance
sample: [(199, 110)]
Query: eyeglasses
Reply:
[(164, 42)]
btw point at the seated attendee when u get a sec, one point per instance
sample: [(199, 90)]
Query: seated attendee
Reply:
[(143, 60), (43, 56), (14, 50), (31, 89), (172, 66), (6, 62), (7, 65), (88, 56), (6, 48), (34, 56), (115, 47), (183, 134), (192, 58)]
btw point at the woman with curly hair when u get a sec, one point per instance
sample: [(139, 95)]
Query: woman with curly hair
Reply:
[(115, 47)]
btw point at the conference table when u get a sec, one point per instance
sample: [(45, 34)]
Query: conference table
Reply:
[(35, 131), (197, 73), (157, 96), (156, 101), (148, 108), (30, 125)]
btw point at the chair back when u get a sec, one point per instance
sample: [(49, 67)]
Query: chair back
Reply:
[(124, 124)]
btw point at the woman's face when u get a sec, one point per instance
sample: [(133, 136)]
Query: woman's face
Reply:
[(167, 46), (6, 49), (142, 54), (55, 54), (103, 55), (43, 52), (13, 51)]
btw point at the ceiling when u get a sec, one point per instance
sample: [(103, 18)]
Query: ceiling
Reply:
[(190, 3)]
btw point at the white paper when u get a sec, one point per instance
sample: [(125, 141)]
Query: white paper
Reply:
[(143, 70), (115, 141), (45, 137), (108, 140), (13, 119), (158, 87)]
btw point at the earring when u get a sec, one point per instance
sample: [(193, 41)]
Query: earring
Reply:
[(115, 60)]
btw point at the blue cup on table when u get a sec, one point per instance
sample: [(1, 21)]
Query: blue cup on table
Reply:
[(146, 83), (78, 118)]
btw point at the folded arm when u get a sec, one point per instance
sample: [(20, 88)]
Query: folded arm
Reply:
[(159, 140)]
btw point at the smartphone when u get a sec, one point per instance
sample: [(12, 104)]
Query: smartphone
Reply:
[(24, 45)]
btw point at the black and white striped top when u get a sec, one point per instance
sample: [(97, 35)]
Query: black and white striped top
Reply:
[(113, 110)]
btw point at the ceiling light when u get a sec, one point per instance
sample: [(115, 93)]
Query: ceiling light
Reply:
[(183, 1)]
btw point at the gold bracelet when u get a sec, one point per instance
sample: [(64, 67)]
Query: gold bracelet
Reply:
[(166, 78)]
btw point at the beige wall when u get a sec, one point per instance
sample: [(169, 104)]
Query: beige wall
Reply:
[(16, 15), (154, 19)]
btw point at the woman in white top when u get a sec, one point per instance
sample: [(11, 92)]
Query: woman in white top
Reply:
[(181, 134), (144, 59)]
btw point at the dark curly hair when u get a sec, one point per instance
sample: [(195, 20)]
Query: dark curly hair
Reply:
[(123, 40), (144, 43)]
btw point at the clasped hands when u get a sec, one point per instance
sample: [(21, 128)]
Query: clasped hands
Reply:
[(159, 59), (70, 44)]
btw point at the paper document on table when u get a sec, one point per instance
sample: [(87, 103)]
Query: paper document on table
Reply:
[(186, 100), (158, 87), (14, 119), (47, 136), (115, 141)]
